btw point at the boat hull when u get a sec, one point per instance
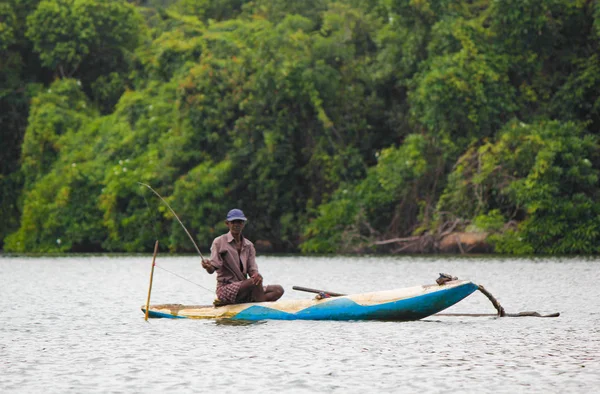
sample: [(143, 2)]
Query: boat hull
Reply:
[(407, 304)]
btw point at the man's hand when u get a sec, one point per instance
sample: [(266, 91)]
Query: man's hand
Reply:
[(208, 266), (256, 279)]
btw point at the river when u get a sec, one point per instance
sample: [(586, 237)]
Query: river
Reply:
[(73, 325)]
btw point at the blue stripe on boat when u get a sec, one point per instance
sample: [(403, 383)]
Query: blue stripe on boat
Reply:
[(154, 315), (412, 308)]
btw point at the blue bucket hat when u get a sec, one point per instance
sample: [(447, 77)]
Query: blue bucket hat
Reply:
[(235, 214)]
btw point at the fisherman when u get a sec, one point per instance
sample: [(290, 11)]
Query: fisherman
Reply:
[(233, 257)]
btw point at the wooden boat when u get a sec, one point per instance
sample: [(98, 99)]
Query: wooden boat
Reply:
[(406, 304)]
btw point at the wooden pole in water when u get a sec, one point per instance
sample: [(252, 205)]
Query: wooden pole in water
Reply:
[(493, 300), (499, 308), (151, 277)]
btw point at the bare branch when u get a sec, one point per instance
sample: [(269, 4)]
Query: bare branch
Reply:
[(394, 240)]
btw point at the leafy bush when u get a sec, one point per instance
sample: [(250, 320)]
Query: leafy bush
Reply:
[(542, 174)]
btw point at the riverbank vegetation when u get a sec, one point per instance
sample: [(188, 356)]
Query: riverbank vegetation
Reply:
[(338, 126)]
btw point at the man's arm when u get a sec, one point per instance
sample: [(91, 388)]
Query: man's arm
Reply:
[(253, 267), (215, 260), (208, 266)]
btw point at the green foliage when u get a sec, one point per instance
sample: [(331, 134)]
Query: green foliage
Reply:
[(7, 26), (86, 193), (534, 26), (10, 192), (544, 175), (206, 10), (327, 233), (66, 32), (61, 109), (596, 18), (59, 214), (388, 200), (177, 46), (545, 40), (19, 77), (277, 10), (89, 40), (559, 193), (491, 222), (203, 194), (510, 242), (60, 210), (332, 123), (398, 167), (578, 98), (465, 95)]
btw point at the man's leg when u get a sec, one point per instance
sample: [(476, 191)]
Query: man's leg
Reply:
[(248, 288), (273, 292), (258, 293)]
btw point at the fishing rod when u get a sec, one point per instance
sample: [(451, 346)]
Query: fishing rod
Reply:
[(156, 251), (176, 217)]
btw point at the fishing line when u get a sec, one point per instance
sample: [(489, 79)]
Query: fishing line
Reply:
[(179, 276)]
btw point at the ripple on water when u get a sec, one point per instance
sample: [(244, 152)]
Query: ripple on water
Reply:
[(74, 325)]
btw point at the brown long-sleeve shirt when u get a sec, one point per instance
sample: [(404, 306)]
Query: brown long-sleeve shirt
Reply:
[(230, 266)]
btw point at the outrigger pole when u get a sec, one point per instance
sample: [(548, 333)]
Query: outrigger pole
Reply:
[(151, 277)]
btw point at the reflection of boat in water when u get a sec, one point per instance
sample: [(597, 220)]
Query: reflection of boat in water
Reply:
[(410, 303)]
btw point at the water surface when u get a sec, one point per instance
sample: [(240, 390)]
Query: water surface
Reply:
[(73, 324)]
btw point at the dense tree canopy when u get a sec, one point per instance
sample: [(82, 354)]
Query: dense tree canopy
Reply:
[(336, 125)]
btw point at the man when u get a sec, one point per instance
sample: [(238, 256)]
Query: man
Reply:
[(233, 257)]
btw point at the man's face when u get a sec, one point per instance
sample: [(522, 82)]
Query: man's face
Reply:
[(235, 226)]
